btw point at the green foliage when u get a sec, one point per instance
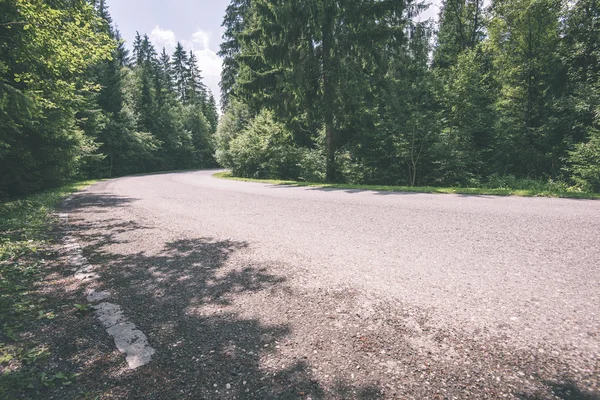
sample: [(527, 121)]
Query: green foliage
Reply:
[(530, 188), (264, 149), (73, 104), (232, 123), (83, 308), (584, 162), (196, 123), (234, 23), (461, 28), (45, 48), (507, 90), (314, 64), (312, 164), (348, 91), (26, 227), (510, 182), (580, 107), (523, 37), (466, 95), (353, 170)]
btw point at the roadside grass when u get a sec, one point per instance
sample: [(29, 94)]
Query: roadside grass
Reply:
[(27, 227), (527, 188)]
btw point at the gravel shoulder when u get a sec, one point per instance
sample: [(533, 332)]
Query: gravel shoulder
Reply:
[(253, 291)]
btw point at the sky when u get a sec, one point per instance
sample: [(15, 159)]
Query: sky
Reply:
[(195, 23)]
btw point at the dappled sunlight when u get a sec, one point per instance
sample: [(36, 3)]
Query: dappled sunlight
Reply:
[(373, 234), (226, 327), (183, 297)]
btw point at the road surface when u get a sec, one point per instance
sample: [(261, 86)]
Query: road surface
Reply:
[(250, 290)]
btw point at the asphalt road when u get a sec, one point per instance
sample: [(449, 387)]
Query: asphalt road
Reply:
[(348, 294)]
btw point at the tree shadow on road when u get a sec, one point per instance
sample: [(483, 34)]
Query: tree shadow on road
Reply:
[(186, 297), (179, 297), (565, 391), (97, 202), (379, 192), (191, 298)]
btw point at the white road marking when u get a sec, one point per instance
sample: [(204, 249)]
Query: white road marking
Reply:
[(128, 339)]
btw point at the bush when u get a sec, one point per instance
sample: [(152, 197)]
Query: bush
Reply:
[(312, 165), (265, 149), (231, 124), (511, 182), (349, 168), (584, 163)]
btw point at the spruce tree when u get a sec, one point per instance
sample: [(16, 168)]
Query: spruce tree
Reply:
[(461, 27), (180, 72), (195, 90), (121, 52), (166, 71), (234, 23), (137, 49), (211, 112), (293, 56), (524, 37)]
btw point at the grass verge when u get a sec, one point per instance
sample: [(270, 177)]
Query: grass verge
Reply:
[(27, 232), (424, 189)]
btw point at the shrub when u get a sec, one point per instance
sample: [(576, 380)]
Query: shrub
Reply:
[(312, 165), (511, 182), (231, 124), (265, 149), (584, 163), (349, 168)]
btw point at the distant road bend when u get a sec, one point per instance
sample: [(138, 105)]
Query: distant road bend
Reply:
[(251, 290)]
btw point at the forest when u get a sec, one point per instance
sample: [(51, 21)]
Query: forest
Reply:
[(75, 103), (347, 91), (366, 92)]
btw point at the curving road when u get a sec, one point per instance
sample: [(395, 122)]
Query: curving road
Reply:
[(250, 290)]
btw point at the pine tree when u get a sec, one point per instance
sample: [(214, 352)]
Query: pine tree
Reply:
[(137, 49), (121, 53), (164, 72), (211, 112), (294, 55), (180, 74), (149, 55), (195, 90), (234, 23), (461, 27), (143, 50), (524, 36)]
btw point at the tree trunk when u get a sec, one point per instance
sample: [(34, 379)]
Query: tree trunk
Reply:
[(328, 91)]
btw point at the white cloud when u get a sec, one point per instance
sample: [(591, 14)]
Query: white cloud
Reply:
[(187, 45), (208, 60), (201, 37), (210, 64), (163, 38), (431, 12)]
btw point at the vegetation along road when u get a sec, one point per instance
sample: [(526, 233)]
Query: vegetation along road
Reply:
[(303, 284), (252, 290)]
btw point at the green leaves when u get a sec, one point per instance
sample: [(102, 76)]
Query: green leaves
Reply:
[(264, 149), (507, 89), (42, 82), (63, 43), (584, 162)]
